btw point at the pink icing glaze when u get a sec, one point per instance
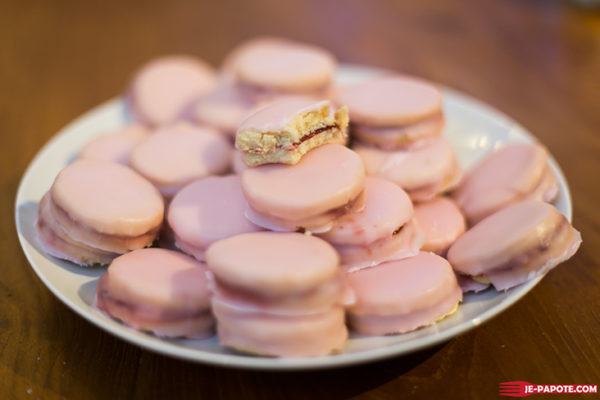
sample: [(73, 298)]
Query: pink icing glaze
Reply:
[(318, 224), (285, 66), (505, 176), (162, 89), (116, 146), (423, 171), (468, 284), (276, 115), (390, 324), (442, 222), (400, 296), (316, 300), (273, 263), (405, 243), (176, 155), (108, 198), (224, 109), (229, 64), (390, 101), (292, 336), (57, 246), (326, 178), (515, 244), (82, 236), (157, 280), (402, 136), (387, 207), (208, 210)]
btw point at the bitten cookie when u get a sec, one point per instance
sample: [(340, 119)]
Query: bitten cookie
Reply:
[(286, 129)]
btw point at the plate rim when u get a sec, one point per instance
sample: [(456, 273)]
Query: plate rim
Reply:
[(284, 364)]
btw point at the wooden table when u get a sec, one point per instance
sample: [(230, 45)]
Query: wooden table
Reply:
[(538, 61)]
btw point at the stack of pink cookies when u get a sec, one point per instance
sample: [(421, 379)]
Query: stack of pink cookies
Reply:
[(309, 237)]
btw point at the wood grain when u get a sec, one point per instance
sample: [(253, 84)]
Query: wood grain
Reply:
[(538, 61)]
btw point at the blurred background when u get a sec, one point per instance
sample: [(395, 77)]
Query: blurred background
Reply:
[(536, 60)]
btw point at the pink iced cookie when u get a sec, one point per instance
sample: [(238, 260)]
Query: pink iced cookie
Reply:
[(278, 294), (515, 244), (163, 89), (382, 229), (158, 290), (442, 222), (115, 147), (424, 172), (512, 173), (325, 184), (208, 210), (267, 68), (401, 296), (393, 112), (176, 155), (96, 210), (224, 109)]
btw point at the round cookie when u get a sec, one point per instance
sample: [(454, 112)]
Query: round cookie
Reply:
[(115, 147), (163, 89), (401, 296), (224, 109), (267, 68), (158, 290), (325, 184), (382, 231), (208, 210), (442, 222), (98, 205), (176, 155), (393, 112), (273, 290), (515, 244), (391, 101), (424, 172), (513, 173)]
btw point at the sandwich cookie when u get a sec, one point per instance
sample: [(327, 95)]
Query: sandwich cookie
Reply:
[(382, 231), (287, 128), (515, 245), (326, 184), (424, 172), (265, 69), (162, 90), (278, 294), (510, 174), (115, 147), (442, 222), (208, 210), (401, 296), (160, 291), (393, 112), (224, 110), (177, 155), (96, 210)]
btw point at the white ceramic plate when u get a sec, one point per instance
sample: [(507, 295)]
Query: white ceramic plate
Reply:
[(473, 128)]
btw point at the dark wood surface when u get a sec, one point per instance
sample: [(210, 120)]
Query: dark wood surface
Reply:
[(538, 61)]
